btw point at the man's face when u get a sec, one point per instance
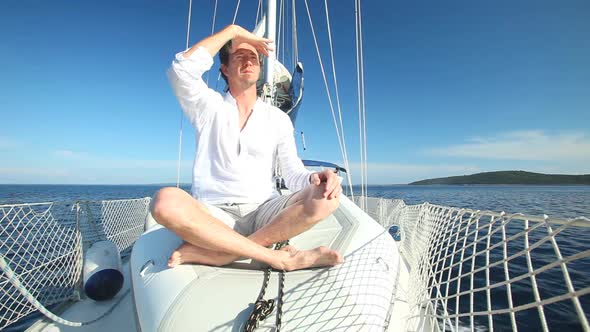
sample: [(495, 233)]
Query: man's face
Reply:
[(243, 65)]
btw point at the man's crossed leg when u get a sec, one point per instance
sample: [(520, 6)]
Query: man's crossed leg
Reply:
[(210, 241)]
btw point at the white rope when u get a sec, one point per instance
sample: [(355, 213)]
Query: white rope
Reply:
[(509, 258), (568, 280), (42, 249), (346, 163), (471, 284), (557, 263), (340, 138), (188, 29), (15, 281), (534, 279), (507, 276), (439, 243), (488, 288)]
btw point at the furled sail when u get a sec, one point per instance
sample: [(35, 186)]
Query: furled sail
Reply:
[(288, 88)]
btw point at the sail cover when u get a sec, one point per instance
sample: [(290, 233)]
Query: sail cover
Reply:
[(288, 87)]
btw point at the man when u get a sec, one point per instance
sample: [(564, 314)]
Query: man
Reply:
[(234, 210)]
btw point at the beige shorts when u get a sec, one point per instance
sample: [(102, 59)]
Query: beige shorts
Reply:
[(248, 218)]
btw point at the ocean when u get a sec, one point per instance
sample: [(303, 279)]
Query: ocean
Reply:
[(555, 201)]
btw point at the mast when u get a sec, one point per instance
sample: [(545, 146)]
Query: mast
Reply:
[(271, 18)]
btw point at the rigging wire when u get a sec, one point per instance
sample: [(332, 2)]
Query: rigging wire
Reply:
[(364, 110), (360, 64), (340, 138), (337, 93), (232, 22), (365, 160), (236, 12), (212, 31), (294, 34), (288, 51), (361, 104), (188, 30), (359, 101), (284, 18), (325, 80), (258, 12), (278, 52)]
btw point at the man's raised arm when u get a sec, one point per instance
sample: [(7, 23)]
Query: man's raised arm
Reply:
[(216, 41), (194, 96)]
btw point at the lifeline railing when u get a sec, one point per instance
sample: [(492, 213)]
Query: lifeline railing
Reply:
[(42, 246), (481, 270)]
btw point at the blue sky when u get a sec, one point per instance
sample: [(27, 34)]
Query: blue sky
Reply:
[(452, 88)]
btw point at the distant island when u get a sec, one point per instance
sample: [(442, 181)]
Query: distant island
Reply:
[(511, 177)]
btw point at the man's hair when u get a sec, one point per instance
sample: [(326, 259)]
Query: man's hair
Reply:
[(224, 54), (224, 58)]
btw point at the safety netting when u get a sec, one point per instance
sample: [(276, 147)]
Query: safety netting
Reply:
[(41, 248), (482, 270)]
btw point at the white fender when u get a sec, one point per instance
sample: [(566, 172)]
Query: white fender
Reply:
[(103, 278)]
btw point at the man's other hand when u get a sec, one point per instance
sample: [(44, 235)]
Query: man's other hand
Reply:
[(332, 188)]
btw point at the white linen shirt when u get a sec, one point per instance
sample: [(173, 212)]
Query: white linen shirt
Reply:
[(233, 166)]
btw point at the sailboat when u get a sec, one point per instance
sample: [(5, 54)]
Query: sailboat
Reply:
[(407, 267)]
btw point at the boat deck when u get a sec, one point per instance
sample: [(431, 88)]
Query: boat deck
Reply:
[(122, 317), (401, 307)]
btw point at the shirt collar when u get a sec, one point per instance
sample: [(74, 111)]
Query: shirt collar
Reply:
[(230, 99)]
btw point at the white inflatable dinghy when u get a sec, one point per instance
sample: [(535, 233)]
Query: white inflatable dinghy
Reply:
[(356, 295)]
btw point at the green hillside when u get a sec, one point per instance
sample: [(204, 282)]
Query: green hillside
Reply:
[(510, 177)]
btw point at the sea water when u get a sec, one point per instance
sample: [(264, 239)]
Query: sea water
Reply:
[(555, 201)]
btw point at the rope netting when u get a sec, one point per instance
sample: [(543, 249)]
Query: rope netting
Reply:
[(119, 221), (478, 270), (45, 254), (481, 270), (41, 249)]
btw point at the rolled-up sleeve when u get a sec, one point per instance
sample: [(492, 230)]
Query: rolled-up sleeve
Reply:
[(195, 98)]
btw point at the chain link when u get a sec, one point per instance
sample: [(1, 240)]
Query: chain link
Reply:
[(280, 246), (263, 308), (280, 300)]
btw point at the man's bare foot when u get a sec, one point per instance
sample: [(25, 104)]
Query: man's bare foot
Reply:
[(302, 259), (290, 249), (188, 253), (289, 257)]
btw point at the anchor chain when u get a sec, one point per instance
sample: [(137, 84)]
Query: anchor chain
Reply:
[(263, 308), (279, 246)]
